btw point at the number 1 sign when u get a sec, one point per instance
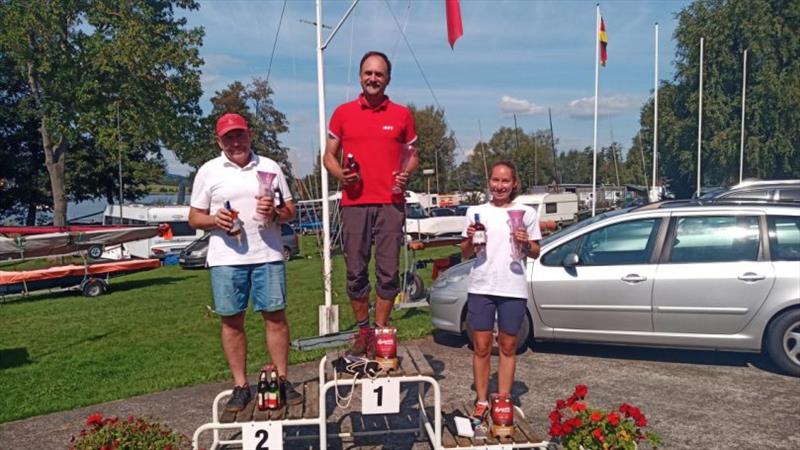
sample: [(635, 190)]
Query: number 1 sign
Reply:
[(380, 396)]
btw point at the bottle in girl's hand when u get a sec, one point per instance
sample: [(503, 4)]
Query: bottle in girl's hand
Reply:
[(479, 237)]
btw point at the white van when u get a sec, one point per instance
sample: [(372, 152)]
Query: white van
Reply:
[(156, 247), (562, 208)]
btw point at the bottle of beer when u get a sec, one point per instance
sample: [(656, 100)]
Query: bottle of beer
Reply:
[(279, 203), (236, 229), (353, 167), (273, 391), (261, 392), (479, 237)]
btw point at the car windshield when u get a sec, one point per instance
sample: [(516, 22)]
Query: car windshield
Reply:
[(583, 223), (415, 211)]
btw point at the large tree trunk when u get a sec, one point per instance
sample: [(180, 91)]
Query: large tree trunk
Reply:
[(54, 156), (54, 159)]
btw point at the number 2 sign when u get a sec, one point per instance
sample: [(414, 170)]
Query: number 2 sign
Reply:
[(380, 396), (262, 436)]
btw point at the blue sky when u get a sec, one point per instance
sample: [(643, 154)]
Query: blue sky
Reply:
[(515, 57)]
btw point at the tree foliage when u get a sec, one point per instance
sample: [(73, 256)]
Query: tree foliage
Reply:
[(768, 29), (266, 123), (88, 63), (436, 146)]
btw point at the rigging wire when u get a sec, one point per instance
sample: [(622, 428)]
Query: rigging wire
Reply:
[(405, 27), (425, 78), (275, 42)]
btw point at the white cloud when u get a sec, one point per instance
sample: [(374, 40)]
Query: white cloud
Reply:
[(511, 105), (613, 105)]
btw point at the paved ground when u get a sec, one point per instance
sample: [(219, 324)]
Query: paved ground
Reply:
[(696, 400)]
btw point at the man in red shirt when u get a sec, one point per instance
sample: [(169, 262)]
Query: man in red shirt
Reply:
[(378, 135)]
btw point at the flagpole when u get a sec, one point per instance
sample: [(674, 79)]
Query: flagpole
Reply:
[(596, 88), (741, 142), (654, 194), (700, 120)]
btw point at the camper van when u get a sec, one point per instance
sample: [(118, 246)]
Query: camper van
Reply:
[(561, 208), (156, 247)]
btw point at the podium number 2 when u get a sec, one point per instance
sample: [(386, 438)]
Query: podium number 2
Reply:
[(380, 396), (262, 444), (262, 436)]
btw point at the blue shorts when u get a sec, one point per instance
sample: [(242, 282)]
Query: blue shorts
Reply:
[(232, 287), (510, 311)]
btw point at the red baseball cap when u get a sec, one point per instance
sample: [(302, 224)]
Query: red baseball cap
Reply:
[(229, 122)]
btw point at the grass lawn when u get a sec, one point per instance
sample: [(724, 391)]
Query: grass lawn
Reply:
[(151, 332)]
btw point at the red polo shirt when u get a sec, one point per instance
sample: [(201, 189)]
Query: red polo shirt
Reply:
[(376, 137)]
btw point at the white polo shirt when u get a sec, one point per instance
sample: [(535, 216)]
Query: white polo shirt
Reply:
[(494, 272), (221, 180)]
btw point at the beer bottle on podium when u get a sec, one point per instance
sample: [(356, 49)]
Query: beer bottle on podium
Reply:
[(273, 391), (261, 392)]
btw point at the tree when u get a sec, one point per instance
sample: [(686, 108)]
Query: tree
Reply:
[(23, 178), (436, 147), (86, 62), (266, 123), (768, 29)]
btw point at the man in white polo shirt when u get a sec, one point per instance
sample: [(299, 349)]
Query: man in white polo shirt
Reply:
[(248, 263)]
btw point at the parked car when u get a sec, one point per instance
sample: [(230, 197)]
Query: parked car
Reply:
[(763, 190), (194, 255), (676, 274), (441, 212)]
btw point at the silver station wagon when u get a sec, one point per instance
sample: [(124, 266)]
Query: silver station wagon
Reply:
[(677, 274)]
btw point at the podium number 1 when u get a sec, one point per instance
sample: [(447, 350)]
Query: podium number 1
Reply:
[(380, 396)]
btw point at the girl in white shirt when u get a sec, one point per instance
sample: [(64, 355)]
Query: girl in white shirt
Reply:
[(497, 281)]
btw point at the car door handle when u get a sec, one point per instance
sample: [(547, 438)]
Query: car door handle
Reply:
[(750, 276), (633, 278)]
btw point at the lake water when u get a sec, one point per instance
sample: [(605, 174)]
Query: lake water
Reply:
[(92, 210)]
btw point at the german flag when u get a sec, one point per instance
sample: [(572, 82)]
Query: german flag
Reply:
[(603, 38)]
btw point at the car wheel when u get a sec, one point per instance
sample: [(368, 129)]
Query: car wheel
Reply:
[(783, 342), (415, 288), (95, 251), (523, 338), (93, 287), (287, 253)]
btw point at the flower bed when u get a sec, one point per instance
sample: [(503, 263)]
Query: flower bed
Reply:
[(577, 426)]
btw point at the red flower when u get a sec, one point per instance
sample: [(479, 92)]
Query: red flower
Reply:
[(598, 434), (575, 422), (641, 421), (581, 391), (130, 419), (555, 430), (555, 417), (94, 420), (613, 419), (566, 428), (578, 407), (561, 404)]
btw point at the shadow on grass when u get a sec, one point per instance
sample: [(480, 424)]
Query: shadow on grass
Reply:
[(114, 286), (14, 357), (129, 285)]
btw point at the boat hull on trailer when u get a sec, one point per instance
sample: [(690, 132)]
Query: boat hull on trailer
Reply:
[(36, 242)]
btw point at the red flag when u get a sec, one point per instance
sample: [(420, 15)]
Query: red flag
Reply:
[(603, 38), (454, 28)]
